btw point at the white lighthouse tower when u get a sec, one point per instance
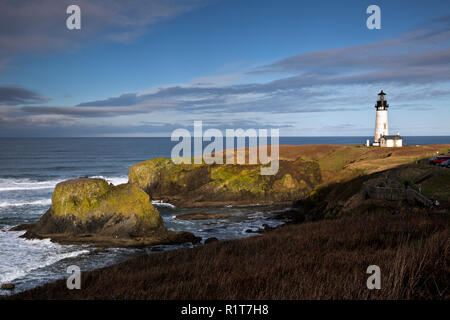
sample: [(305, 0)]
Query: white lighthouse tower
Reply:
[(382, 137), (381, 122)]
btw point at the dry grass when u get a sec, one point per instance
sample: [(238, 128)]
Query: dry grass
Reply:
[(438, 185), (344, 162), (340, 163), (317, 260)]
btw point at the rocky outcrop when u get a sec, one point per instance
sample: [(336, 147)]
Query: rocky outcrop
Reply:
[(384, 189), (92, 211), (392, 190), (8, 286), (302, 169), (191, 185)]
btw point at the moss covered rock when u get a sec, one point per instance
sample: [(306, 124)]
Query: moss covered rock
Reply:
[(91, 210), (192, 185), (79, 196)]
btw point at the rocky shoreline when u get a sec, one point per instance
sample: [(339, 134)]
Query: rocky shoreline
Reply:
[(322, 254), (318, 184), (87, 210)]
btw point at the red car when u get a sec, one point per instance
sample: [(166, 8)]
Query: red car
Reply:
[(438, 160)]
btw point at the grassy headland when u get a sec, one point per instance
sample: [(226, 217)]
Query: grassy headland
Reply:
[(302, 170), (338, 230)]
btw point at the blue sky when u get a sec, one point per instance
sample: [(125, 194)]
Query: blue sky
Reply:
[(145, 68)]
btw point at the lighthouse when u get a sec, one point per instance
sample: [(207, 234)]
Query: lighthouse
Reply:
[(381, 122), (382, 137)]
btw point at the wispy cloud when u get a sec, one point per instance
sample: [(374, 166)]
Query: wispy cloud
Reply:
[(62, 125), (4, 61), (419, 56), (40, 25), (19, 96)]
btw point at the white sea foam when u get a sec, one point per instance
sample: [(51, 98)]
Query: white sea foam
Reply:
[(114, 180), (40, 202), (19, 257), (26, 184), (160, 203), (256, 215)]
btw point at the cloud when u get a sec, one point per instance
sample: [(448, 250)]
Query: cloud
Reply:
[(62, 125), (100, 111), (18, 96), (416, 63), (419, 56), (41, 25), (4, 61), (123, 100), (203, 102)]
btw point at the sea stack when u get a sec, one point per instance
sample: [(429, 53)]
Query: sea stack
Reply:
[(94, 211)]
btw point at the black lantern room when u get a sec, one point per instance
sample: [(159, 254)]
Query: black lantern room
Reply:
[(382, 102)]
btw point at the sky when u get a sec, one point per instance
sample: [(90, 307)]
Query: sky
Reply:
[(146, 68)]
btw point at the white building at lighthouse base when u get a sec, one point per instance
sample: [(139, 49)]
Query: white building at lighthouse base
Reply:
[(391, 141)]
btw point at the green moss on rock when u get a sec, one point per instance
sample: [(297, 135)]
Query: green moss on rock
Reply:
[(194, 184), (238, 179), (126, 200), (92, 206), (78, 196), (147, 173)]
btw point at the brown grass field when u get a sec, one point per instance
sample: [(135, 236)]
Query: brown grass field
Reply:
[(343, 162), (316, 260)]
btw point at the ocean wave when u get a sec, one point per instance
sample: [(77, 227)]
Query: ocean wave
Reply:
[(29, 184), (41, 202), (19, 257), (114, 180), (159, 203), (19, 272), (26, 184)]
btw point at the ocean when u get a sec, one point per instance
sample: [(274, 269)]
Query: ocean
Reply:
[(31, 167)]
